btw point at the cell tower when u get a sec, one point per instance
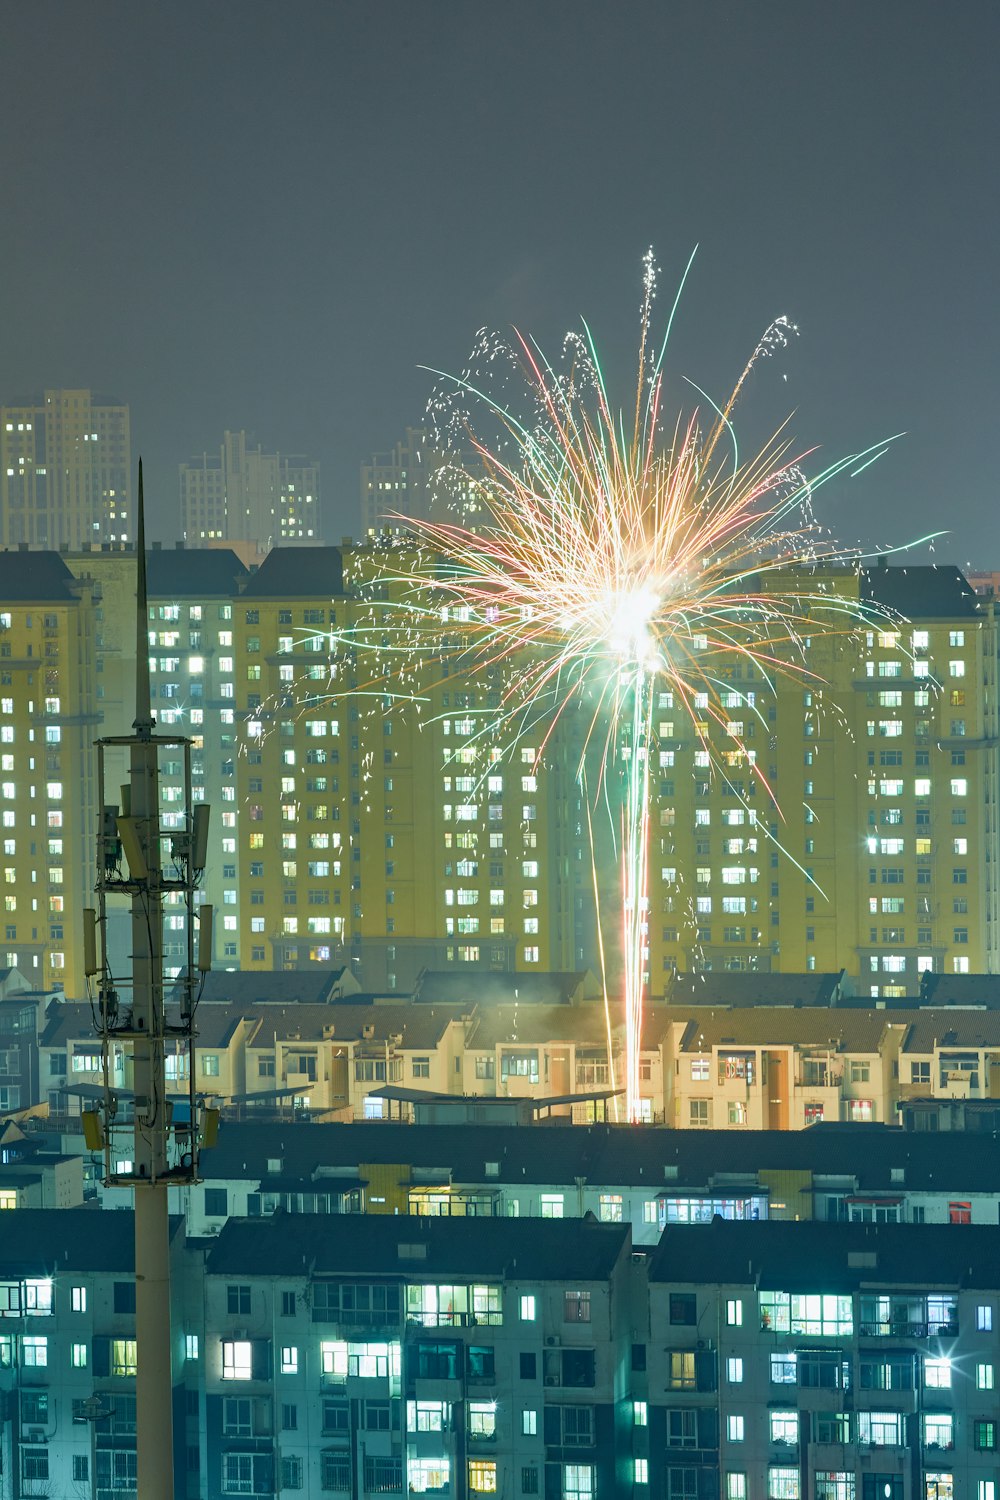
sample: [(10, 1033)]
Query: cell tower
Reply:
[(150, 1138)]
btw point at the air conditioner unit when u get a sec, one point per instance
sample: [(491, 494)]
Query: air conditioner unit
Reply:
[(553, 1341), (34, 1434), (552, 1380), (241, 1334)]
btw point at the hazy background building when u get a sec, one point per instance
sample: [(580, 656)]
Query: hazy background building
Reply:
[(65, 470), (417, 481), (242, 494)]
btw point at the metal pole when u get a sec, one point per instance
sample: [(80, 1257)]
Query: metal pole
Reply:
[(154, 1379), (153, 1149)]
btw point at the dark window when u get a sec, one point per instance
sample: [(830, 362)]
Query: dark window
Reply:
[(288, 1304), (684, 1308), (529, 1367), (378, 1416), (480, 1362), (336, 1416), (437, 1361), (124, 1297), (638, 1356), (529, 1480), (216, 1202), (238, 1300), (578, 1367)]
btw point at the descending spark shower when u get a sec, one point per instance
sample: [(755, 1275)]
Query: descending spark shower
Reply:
[(612, 556)]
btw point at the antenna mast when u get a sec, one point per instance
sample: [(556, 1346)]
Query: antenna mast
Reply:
[(146, 1122)]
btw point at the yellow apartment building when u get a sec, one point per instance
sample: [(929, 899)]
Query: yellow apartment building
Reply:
[(48, 720), (854, 823), (366, 812), (380, 816)]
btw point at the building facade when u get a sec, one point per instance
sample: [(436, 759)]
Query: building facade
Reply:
[(370, 813), (400, 1355), (416, 481), (844, 817), (242, 494), (65, 471), (49, 718)]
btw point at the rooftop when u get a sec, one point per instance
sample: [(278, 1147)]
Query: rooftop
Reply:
[(487, 987), (298, 573), (922, 592), (815, 1026), (294, 987), (44, 1241), (380, 1245), (826, 1257), (714, 988), (653, 1157), (969, 1029), (40, 577), (194, 572)]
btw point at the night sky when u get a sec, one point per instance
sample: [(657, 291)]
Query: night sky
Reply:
[(269, 215)]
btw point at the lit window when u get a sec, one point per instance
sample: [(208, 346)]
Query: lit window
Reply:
[(237, 1359), (735, 1428), (123, 1357), (289, 1360), (527, 1308)]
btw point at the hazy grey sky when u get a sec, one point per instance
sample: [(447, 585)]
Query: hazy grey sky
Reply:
[(268, 215)]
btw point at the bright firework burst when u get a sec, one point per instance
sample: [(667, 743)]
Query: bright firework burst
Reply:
[(613, 556)]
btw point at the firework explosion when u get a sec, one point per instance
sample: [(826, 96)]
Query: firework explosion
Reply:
[(613, 556)]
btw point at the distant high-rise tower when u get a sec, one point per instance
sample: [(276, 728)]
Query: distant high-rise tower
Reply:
[(242, 494), (64, 471), (419, 482)]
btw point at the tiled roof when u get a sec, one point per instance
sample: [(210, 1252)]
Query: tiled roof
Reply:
[(30, 576), (714, 988), (922, 592), (246, 988), (871, 1155), (817, 1026), (380, 1245), (817, 1257), (487, 987), (418, 1025), (952, 1027), (192, 572), (298, 573), (39, 1241)]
